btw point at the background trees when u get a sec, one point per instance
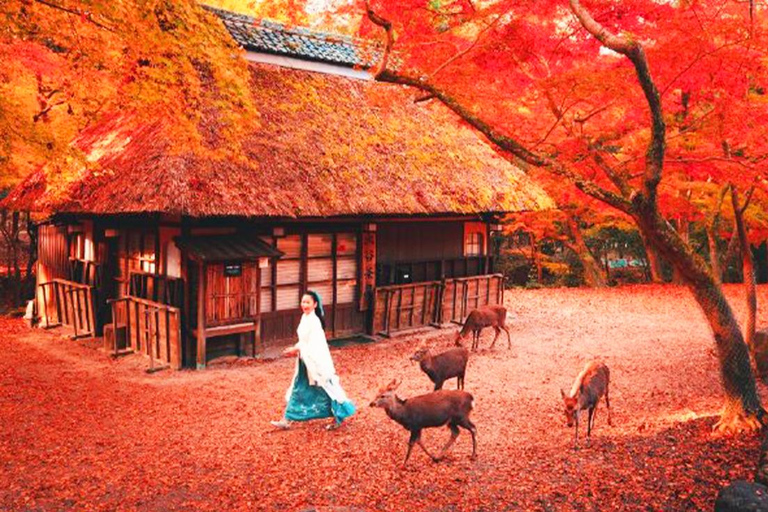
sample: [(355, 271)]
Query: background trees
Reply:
[(608, 97)]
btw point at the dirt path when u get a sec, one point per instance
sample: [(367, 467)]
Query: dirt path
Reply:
[(79, 431)]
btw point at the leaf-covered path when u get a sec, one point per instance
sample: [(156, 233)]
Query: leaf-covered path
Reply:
[(80, 431)]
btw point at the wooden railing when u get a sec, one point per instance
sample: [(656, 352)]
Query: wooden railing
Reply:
[(407, 306), (70, 304), (147, 327)]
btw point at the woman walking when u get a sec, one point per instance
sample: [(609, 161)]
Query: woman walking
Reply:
[(315, 391)]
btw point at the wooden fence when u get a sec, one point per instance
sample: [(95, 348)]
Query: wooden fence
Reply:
[(147, 327), (407, 306), (70, 304)]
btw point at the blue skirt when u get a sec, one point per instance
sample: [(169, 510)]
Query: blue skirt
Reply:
[(309, 402)]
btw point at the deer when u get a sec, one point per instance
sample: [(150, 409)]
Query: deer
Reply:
[(443, 366), (480, 318), (589, 386), (435, 409)]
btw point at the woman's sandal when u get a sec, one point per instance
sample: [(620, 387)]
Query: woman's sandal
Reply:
[(281, 424)]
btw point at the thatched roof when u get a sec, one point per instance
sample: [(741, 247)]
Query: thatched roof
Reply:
[(326, 146)]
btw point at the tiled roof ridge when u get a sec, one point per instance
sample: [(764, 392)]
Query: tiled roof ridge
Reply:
[(302, 42)]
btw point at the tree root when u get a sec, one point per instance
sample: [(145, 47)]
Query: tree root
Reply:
[(734, 420)]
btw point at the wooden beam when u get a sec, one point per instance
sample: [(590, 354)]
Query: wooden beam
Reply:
[(201, 359)]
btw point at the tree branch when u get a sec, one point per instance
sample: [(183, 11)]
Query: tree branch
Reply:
[(502, 141), (654, 157), (75, 12), (387, 26)]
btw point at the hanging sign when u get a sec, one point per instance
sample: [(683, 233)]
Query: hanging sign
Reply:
[(233, 269)]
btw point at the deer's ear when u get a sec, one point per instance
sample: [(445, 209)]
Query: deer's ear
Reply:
[(392, 385)]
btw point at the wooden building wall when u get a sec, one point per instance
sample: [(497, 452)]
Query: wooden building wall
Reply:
[(417, 241)]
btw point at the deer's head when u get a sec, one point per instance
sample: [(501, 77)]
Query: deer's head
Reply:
[(386, 394), (420, 354), (571, 407)]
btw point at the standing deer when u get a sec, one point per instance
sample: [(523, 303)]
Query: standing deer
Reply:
[(589, 386), (443, 407), (443, 366), (480, 318)]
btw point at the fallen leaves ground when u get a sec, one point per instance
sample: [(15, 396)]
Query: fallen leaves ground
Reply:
[(81, 431)]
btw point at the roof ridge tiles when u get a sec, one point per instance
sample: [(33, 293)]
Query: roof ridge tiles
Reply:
[(301, 42)]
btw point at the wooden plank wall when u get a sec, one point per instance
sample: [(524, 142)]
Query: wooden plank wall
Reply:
[(69, 304), (151, 328), (52, 250), (278, 328), (401, 307)]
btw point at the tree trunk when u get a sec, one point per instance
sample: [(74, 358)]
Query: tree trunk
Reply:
[(748, 271), (714, 255), (32, 253), (683, 229), (742, 410), (593, 276), (535, 257), (654, 261)]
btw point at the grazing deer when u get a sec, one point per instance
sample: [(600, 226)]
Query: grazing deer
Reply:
[(589, 386), (443, 407), (443, 366), (480, 318)]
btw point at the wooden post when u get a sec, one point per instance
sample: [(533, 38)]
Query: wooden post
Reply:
[(257, 320), (334, 245), (201, 359)]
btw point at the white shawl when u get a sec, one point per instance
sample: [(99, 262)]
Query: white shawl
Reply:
[(314, 352)]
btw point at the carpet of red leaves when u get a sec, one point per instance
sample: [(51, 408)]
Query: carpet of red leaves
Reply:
[(82, 431)]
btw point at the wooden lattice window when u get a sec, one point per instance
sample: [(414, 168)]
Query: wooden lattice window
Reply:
[(473, 245), (288, 282)]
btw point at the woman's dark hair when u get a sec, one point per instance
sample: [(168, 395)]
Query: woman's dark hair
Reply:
[(318, 306)]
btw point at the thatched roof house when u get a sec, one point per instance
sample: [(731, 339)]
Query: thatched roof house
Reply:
[(357, 188)]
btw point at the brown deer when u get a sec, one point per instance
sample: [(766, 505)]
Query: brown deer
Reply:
[(443, 366), (443, 407), (480, 318), (589, 386)]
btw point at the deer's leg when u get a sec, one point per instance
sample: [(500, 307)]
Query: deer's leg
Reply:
[(460, 382), (475, 339), (415, 436), (509, 337), (454, 434), (576, 420), (421, 445), (438, 384), (608, 404), (590, 420), (467, 424), (498, 331)]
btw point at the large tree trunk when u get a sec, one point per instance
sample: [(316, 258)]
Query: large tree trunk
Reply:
[(593, 276), (742, 410)]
